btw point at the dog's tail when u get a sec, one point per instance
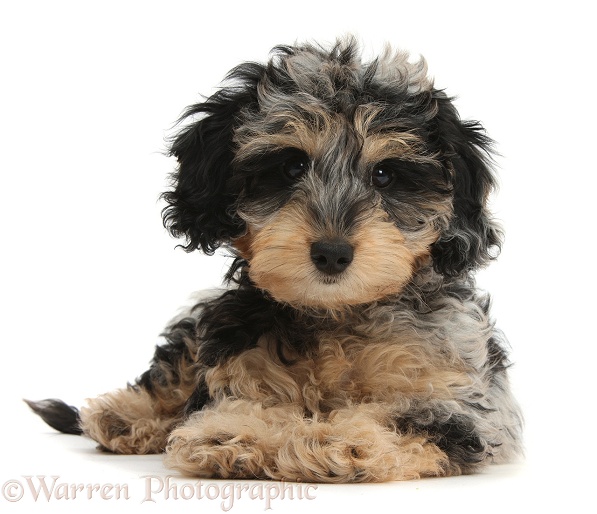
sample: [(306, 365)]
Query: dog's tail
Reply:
[(58, 415)]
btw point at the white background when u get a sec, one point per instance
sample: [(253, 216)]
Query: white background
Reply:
[(88, 93)]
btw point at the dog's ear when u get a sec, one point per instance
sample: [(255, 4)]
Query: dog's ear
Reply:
[(201, 204), (472, 237)]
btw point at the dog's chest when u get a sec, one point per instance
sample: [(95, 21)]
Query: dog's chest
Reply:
[(343, 370)]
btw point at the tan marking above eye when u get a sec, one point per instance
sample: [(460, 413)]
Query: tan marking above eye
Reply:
[(322, 131), (388, 145)]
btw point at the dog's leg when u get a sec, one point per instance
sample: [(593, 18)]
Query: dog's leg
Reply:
[(138, 419), (127, 421), (356, 444), (235, 439), (241, 439), (473, 432)]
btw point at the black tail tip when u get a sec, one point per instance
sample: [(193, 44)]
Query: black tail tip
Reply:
[(58, 415)]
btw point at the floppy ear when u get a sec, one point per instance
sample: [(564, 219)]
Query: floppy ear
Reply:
[(200, 207), (472, 238)]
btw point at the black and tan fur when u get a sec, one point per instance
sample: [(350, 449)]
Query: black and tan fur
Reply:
[(352, 345)]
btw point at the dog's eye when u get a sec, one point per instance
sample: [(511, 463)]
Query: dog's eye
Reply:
[(381, 177), (295, 167)]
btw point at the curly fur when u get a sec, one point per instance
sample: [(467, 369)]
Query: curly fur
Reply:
[(380, 362)]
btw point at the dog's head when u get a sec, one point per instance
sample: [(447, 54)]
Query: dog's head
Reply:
[(335, 180)]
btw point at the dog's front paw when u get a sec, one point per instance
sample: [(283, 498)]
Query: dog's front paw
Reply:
[(209, 451), (355, 450), (244, 440)]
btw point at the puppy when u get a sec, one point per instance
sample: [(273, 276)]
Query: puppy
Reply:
[(351, 345)]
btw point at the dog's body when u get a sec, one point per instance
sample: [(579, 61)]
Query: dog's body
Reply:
[(353, 345)]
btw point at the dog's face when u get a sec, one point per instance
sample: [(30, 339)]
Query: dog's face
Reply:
[(335, 180)]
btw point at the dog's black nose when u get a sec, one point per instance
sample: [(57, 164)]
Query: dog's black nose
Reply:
[(331, 256)]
